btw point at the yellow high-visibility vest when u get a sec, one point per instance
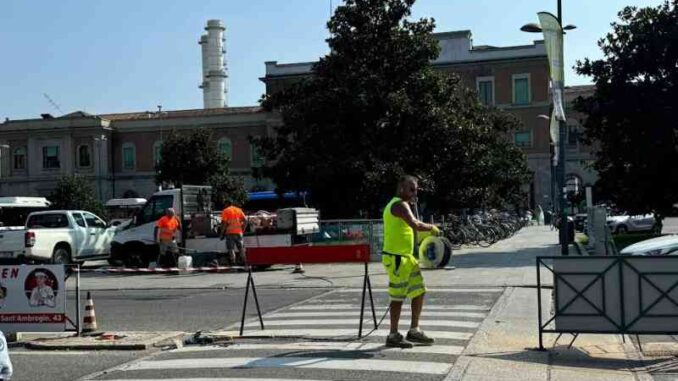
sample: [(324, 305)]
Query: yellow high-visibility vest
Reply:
[(398, 235)]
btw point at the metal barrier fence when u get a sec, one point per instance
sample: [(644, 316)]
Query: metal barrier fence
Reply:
[(610, 294), (356, 231)]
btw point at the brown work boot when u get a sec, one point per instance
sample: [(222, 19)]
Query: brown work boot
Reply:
[(396, 340)]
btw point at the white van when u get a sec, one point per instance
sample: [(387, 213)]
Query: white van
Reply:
[(134, 245)]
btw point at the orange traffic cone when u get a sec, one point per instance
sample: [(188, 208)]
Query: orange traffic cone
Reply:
[(89, 323)]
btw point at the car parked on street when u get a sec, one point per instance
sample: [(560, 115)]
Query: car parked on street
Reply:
[(624, 223), (664, 245), (58, 236)]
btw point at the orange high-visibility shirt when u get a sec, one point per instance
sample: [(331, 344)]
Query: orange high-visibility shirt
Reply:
[(167, 227), (233, 217)]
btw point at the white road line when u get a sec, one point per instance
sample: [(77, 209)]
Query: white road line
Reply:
[(320, 332), (368, 312), (349, 321), (328, 346), (324, 307), (424, 367), (465, 290)]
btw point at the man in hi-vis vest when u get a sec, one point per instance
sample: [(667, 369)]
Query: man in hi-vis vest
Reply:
[(404, 276)]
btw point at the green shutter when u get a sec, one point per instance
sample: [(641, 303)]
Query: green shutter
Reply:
[(521, 93)]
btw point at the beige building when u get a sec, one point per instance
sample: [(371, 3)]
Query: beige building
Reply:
[(513, 78), (118, 152)]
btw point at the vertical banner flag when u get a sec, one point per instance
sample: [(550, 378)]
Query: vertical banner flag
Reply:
[(553, 40)]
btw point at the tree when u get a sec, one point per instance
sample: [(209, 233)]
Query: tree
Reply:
[(195, 159), (375, 110), (73, 192), (631, 117)]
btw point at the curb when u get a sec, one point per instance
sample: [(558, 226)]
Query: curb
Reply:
[(89, 343)]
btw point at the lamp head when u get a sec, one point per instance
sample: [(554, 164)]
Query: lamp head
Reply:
[(531, 28)]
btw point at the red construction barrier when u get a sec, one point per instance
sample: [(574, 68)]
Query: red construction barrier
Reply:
[(322, 254), (293, 255)]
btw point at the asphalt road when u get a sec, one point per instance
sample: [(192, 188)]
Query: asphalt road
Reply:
[(147, 310)]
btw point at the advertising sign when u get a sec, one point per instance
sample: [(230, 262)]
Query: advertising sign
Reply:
[(32, 298)]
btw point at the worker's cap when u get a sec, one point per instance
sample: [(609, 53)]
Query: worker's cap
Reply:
[(170, 211), (40, 273)]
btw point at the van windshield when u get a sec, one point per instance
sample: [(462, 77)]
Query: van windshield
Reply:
[(154, 209)]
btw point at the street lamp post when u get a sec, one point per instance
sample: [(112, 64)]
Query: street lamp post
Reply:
[(562, 135)]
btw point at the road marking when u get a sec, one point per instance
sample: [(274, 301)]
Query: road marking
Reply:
[(329, 346), (319, 332), (324, 307), (420, 367), (466, 290), (325, 322), (379, 311)]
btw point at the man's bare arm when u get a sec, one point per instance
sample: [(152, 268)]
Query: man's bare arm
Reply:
[(403, 210)]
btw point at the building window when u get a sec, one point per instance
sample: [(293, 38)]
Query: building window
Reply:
[(257, 157), (50, 157), (128, 157), (84, 156), (19, 159), (226, 147), (523, 139), (157, 152), (521, 89), (485, 87), (572, 135)]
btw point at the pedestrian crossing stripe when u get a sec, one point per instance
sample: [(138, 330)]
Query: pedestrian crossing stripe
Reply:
[(311, 322), (419, 367), (324, 332), (356, 312), (329, 346), (324, 307), (464, 290)]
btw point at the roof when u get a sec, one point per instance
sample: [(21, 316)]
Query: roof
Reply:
[(144, 115), (125, 202), (25, 202)]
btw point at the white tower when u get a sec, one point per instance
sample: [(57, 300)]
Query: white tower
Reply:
[(213, 67)]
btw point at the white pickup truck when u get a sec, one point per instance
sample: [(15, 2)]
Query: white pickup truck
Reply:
[(58, 236)]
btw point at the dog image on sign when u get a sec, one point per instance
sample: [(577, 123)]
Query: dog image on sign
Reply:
[(42, 284)]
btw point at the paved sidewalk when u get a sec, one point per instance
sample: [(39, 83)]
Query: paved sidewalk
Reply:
[(504, 349)]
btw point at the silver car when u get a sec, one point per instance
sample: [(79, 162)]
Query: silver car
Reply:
[(624, 223), (664, 245)]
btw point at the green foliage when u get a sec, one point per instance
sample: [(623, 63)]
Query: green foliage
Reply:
[(631, 118), (194, 158), (73, 192), (375, 110)]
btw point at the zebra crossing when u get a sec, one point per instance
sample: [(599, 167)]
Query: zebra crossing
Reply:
[(317, 340)]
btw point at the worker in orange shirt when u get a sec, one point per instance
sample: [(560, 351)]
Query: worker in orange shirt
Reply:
[(165, 230), (233, 223)]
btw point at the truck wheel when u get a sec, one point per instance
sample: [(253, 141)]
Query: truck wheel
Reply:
[(622, 229), (61, 255), (135, 256)]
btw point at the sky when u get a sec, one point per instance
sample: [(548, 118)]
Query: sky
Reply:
[(132, 55)]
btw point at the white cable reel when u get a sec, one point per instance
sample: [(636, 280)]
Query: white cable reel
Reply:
[(435, 252)]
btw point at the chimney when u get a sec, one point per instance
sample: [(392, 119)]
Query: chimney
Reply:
[(213, 66)]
